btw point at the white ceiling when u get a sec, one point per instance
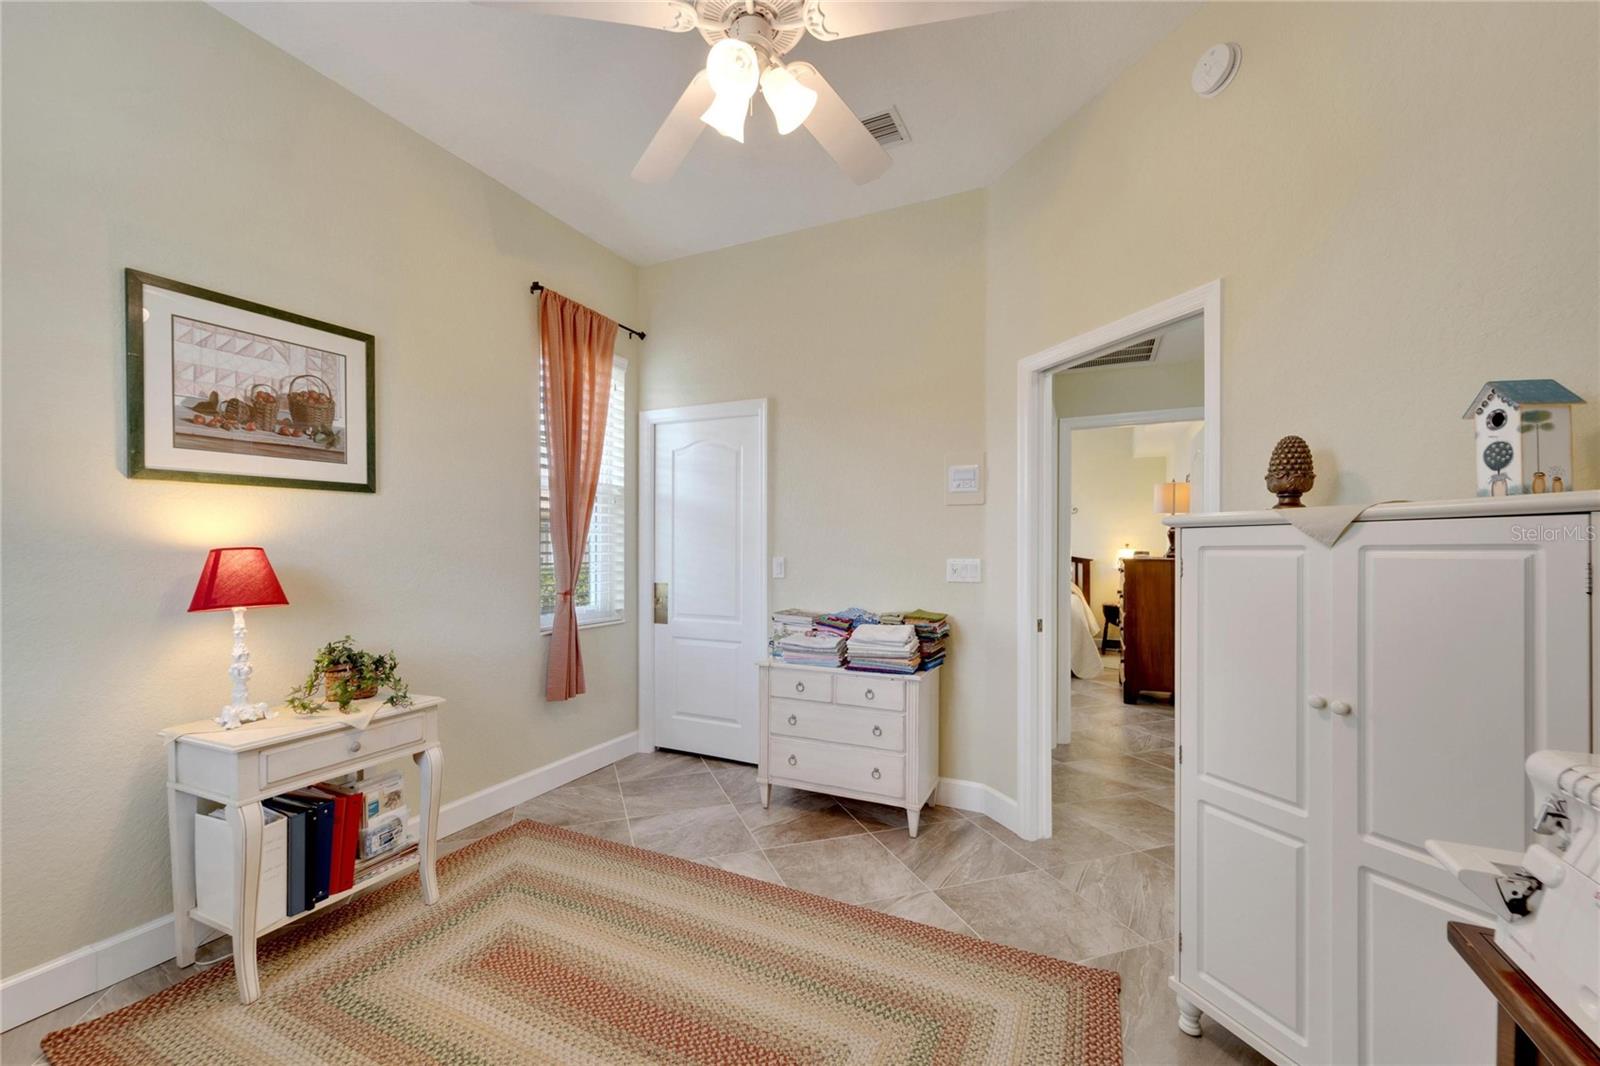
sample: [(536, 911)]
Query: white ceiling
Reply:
[(559, 109)]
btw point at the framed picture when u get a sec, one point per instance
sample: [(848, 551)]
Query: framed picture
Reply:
[(229, 391)]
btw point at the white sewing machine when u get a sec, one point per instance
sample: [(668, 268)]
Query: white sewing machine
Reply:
[(1546, 900)]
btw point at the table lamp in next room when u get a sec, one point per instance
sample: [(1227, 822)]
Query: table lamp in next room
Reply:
[(233, 579), (1172, 498)]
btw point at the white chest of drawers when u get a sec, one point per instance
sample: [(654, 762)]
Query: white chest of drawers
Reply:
[(858, 735)]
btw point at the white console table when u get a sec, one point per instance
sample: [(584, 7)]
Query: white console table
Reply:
[(239, 768)]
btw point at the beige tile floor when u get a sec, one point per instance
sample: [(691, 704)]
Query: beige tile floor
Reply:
[(1100, 891)]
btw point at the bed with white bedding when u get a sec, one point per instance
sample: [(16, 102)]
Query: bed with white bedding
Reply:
[(1085, 629)]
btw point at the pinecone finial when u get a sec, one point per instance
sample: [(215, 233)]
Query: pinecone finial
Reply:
[(1290, 472)]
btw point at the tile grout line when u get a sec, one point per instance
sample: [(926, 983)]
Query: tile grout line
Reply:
[(759, 849)]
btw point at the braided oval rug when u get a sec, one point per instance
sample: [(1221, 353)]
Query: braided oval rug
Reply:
[(551, 946)]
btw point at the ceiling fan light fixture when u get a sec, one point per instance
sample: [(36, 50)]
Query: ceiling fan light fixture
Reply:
[(790, 101), (734, 70)]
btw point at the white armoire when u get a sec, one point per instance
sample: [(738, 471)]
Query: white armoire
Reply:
[(1336, 708)]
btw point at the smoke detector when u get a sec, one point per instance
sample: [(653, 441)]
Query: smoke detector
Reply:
[(1215, 69)]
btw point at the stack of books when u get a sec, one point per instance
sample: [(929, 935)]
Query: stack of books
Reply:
[(933, 634)]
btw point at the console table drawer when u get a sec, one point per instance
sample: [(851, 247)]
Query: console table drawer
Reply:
[(293, 760), (866, 691), (799, 685), (842, 725), (839, 766)]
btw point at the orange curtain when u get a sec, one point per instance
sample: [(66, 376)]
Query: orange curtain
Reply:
[(575, 354)]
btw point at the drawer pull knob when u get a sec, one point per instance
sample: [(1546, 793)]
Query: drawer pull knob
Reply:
[(877, 730), (1317, 703), (793, 720), (793, 761), (355, 746), (799, 686), (1339, 707), (876, 773), (870, 694)]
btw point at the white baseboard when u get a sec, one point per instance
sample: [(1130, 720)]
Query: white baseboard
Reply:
[(980, 798), (87, 970)]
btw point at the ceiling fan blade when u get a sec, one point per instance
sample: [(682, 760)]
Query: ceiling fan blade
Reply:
[(677, 134), (676, 16), (829, 20), (838, 130)]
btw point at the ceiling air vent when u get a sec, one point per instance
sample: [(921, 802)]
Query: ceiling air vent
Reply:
[(1138, 352), (887, 127)]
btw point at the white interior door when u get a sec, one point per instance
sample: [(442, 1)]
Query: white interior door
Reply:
[(1253, 783), (708, 626), (1458, 650)]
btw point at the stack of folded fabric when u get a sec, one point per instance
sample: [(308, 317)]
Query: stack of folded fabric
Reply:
[(813, 648), (787, 621), (835, 624), (883, 649), (933, 631)]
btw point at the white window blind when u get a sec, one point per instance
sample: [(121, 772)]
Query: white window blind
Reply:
[(599, 595)]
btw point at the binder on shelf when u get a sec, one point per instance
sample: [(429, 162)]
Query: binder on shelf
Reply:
[(296, 819), (214, 867), (319, 841)]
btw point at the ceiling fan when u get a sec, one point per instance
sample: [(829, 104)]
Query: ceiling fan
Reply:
[(749, 39)]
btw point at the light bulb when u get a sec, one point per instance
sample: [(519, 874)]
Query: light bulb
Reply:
[(734, 70), (790, 101), (726, 115)]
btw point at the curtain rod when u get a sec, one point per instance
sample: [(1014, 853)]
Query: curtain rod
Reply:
[(537, 288)]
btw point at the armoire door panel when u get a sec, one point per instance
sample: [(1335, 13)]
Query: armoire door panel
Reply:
[(1447, 640), (1252, 917), (1421, 1004), (1252, 610)]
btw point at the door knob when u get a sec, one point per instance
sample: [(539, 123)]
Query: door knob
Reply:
[(1339, 707), (1316, 703)]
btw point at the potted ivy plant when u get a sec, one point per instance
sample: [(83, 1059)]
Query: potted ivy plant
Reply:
[(346, 673)]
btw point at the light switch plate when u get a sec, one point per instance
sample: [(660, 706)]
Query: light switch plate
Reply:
[(963, 570), (780, 566)]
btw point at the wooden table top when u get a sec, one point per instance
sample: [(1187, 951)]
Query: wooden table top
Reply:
[(1557, 1037)]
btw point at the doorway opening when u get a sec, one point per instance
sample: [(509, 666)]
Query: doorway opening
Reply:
[(1155, 374)]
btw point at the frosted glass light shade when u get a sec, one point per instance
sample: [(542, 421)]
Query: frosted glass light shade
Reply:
[(790, 101), (726, 115), (1172, 497)]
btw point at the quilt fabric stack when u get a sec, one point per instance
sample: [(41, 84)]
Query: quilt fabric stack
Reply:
[(814, 648), (933, 631), (884, 649)]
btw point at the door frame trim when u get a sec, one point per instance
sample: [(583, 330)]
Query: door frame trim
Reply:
[(644, 565), (1036, 522)]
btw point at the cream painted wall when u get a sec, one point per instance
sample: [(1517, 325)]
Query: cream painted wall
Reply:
[(166, 137), (1392, 228), (868, 337), (1112, 492)]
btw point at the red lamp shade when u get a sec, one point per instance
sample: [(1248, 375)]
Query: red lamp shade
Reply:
[(237, 577)]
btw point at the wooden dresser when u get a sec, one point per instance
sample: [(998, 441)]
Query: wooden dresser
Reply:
[(849, 733), (1147, 626)]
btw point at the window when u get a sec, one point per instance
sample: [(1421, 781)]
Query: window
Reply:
[(599, 593)]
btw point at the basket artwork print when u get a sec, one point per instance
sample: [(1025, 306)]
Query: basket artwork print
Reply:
[(226, 390)]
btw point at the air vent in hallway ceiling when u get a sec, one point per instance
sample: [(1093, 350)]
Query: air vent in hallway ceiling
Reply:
[(1138, 352), (887, 127)]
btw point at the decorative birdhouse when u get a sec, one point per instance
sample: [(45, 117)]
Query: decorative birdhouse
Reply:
[(1523, 432)]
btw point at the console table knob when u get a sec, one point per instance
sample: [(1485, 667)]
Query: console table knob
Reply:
[(1316, 703), (1340, 707), (355, 746)]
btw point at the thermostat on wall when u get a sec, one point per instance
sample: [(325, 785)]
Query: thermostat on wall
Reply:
[(1215, 69), (963, 479)]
